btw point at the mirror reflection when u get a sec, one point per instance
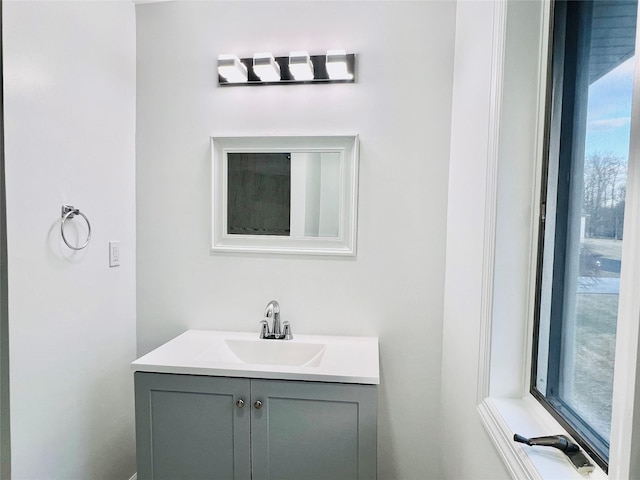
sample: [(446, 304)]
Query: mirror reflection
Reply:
[(294, 194)]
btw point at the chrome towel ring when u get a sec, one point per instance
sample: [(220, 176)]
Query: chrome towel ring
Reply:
[(68, 212)]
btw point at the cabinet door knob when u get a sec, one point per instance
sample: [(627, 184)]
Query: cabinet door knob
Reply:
[(258, 404), (240, 403)]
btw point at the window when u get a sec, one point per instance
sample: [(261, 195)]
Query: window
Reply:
[(582, 221)]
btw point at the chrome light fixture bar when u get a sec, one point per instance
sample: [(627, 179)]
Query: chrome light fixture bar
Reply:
[(335, 66)]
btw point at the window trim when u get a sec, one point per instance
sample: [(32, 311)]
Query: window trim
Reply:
[(505, 405)]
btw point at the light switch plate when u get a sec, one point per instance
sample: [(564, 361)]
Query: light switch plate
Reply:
[(114, 253)]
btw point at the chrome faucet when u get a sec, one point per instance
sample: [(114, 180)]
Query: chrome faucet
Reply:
[(273, 310), (276, 332)]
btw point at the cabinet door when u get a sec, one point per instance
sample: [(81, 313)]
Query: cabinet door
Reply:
[(313, 431), (189, 427)]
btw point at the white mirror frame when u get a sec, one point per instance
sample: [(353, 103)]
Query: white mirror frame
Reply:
[(342, 245)]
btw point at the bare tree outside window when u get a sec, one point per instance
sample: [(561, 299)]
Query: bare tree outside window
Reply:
[(605, 179)]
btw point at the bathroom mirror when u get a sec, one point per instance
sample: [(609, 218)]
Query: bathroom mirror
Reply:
[(290, 194)]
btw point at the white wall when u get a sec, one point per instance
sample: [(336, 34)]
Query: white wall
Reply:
[(69, 99), (400, 106)]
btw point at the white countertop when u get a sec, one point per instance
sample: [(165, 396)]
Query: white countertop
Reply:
[(206, 352)]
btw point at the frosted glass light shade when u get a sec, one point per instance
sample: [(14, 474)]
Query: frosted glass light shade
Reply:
[(232, 69), (337, 65), (300, 66), (266, 67)]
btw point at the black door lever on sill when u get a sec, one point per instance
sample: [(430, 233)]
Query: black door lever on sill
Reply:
[(578, 459)]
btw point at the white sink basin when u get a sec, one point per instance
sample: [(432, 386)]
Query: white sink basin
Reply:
[(321, 358), (276, 352)]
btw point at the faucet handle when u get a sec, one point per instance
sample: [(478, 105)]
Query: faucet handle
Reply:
[(286, 330), (264, 328)]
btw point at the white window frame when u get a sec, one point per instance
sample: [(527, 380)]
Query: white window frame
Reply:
[(504, 403)]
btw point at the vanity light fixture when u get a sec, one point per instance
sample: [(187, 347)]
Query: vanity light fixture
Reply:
[(337, 65), (266, 67), (300, 66), (232, 69), (334, 66)]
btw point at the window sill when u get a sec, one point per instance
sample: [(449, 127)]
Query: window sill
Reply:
[(502, 417)]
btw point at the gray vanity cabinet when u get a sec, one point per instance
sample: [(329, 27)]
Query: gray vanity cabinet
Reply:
[(313, 431), (191, 427), (188, 427)]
